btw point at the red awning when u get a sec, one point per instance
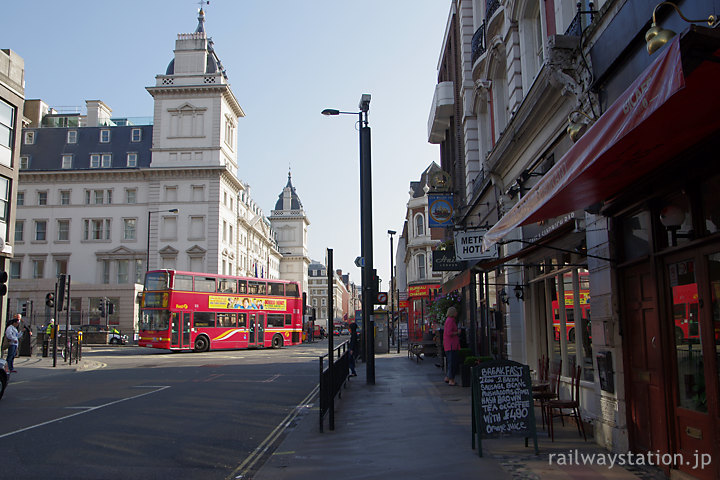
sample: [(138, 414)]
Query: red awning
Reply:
[(665, 111)]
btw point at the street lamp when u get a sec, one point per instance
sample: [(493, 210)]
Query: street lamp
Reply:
[(392, 291), (365, 232), (150, 212)]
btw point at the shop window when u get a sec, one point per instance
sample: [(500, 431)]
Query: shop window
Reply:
[(711, 205), (676, 218), (571, 336), (688, 342), (636, 235)]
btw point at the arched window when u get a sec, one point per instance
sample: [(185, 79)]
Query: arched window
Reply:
[(419, 225), (421, 266)]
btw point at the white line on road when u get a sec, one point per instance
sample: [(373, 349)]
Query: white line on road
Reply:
[(265, 445), (90, 409)]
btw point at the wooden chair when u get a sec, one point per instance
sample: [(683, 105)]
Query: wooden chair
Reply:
[(543, 396), (573, 405)]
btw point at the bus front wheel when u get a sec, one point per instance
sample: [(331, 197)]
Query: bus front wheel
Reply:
[(571, 335), (202, 344), (277, 341)]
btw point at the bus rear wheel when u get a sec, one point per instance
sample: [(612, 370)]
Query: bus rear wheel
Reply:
[(202, 344), (277, 341)]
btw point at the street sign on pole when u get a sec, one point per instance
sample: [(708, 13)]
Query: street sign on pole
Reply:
[(360, 262), (382, 298)]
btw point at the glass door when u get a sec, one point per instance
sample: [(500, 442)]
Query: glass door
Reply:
[(695, 316)]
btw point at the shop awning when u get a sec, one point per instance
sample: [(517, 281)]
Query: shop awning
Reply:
[(671, 106)]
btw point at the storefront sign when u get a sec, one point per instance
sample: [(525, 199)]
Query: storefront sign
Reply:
[(469, 245), (403, 304), (440, 208), (444, 261), (421, 290)]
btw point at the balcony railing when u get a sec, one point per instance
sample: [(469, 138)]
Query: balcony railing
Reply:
[(491, 7), (478, 43), (575, 27)]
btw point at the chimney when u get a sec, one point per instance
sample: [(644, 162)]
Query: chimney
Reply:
[(98, 114)]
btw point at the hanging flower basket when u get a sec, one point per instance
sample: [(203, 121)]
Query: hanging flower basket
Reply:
[(440, 306)]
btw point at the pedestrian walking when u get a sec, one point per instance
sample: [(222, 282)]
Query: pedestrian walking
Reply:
[(352, 348), (12, 333), (451, 343)]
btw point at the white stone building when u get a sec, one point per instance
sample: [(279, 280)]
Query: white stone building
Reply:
[(103, 199)]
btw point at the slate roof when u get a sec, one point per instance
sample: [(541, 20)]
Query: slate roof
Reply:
[(295, 203), (51, 144)]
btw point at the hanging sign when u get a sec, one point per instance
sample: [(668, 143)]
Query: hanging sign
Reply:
[(444, 261), (469, 245), (440, 209)]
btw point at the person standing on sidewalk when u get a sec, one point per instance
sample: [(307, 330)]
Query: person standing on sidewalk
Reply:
[(451, 343), (13, 335)]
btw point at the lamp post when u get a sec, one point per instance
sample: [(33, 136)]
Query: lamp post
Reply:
[(150, 212), (365, 233), (392, 293)]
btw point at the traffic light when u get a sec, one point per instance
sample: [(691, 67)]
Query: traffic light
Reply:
[(3, 283), (111, 308), (61, 293), (50, 299), (101, 307)]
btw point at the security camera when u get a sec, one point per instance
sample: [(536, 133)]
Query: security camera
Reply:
[(364, 105)]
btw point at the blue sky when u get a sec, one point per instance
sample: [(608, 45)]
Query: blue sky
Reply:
[(286, 60)]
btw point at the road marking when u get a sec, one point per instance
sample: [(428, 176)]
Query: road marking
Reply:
[(247, 464), (90, 409), (271, 379)]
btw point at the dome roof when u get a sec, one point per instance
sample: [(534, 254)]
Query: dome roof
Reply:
[(289, 191)]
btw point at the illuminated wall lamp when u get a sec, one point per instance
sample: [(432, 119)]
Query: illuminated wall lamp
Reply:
[(656, 37), (575, 128)]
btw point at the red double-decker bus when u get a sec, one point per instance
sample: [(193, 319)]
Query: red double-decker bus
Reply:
[(202, 311)]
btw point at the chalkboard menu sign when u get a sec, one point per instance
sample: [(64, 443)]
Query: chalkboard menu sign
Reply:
[(502, 401)]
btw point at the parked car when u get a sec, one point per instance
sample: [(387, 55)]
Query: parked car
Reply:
[(113, 335), (4, 376)]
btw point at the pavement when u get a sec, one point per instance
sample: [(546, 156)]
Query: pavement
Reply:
[(409, 424)]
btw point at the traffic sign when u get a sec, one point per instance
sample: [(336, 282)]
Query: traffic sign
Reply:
[(382, 298), (360, 262)]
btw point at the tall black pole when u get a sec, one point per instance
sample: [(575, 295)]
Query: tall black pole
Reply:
[(331, 335), (391, 290), (367, 244)]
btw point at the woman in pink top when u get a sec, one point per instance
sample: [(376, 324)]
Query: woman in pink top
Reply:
[(451, 343)]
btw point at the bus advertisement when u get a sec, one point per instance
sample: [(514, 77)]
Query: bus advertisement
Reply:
[(200, 312)]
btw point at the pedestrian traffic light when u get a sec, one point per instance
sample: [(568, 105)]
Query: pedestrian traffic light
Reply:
[(50, 299), (111, 308), (61, 293), (101, 307), (3, 283)]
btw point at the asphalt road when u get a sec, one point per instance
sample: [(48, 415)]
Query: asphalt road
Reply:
[(149, 414)]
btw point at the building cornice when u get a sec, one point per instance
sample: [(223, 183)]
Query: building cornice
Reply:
[(194, 90)]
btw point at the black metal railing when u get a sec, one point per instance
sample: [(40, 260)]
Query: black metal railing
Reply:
[(491, 7), (478, 43), (333, 376), (575, 27)]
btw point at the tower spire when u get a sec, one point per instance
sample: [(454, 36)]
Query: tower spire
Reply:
[(201, 16)]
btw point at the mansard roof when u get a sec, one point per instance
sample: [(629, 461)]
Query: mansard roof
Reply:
[(51, 144)]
